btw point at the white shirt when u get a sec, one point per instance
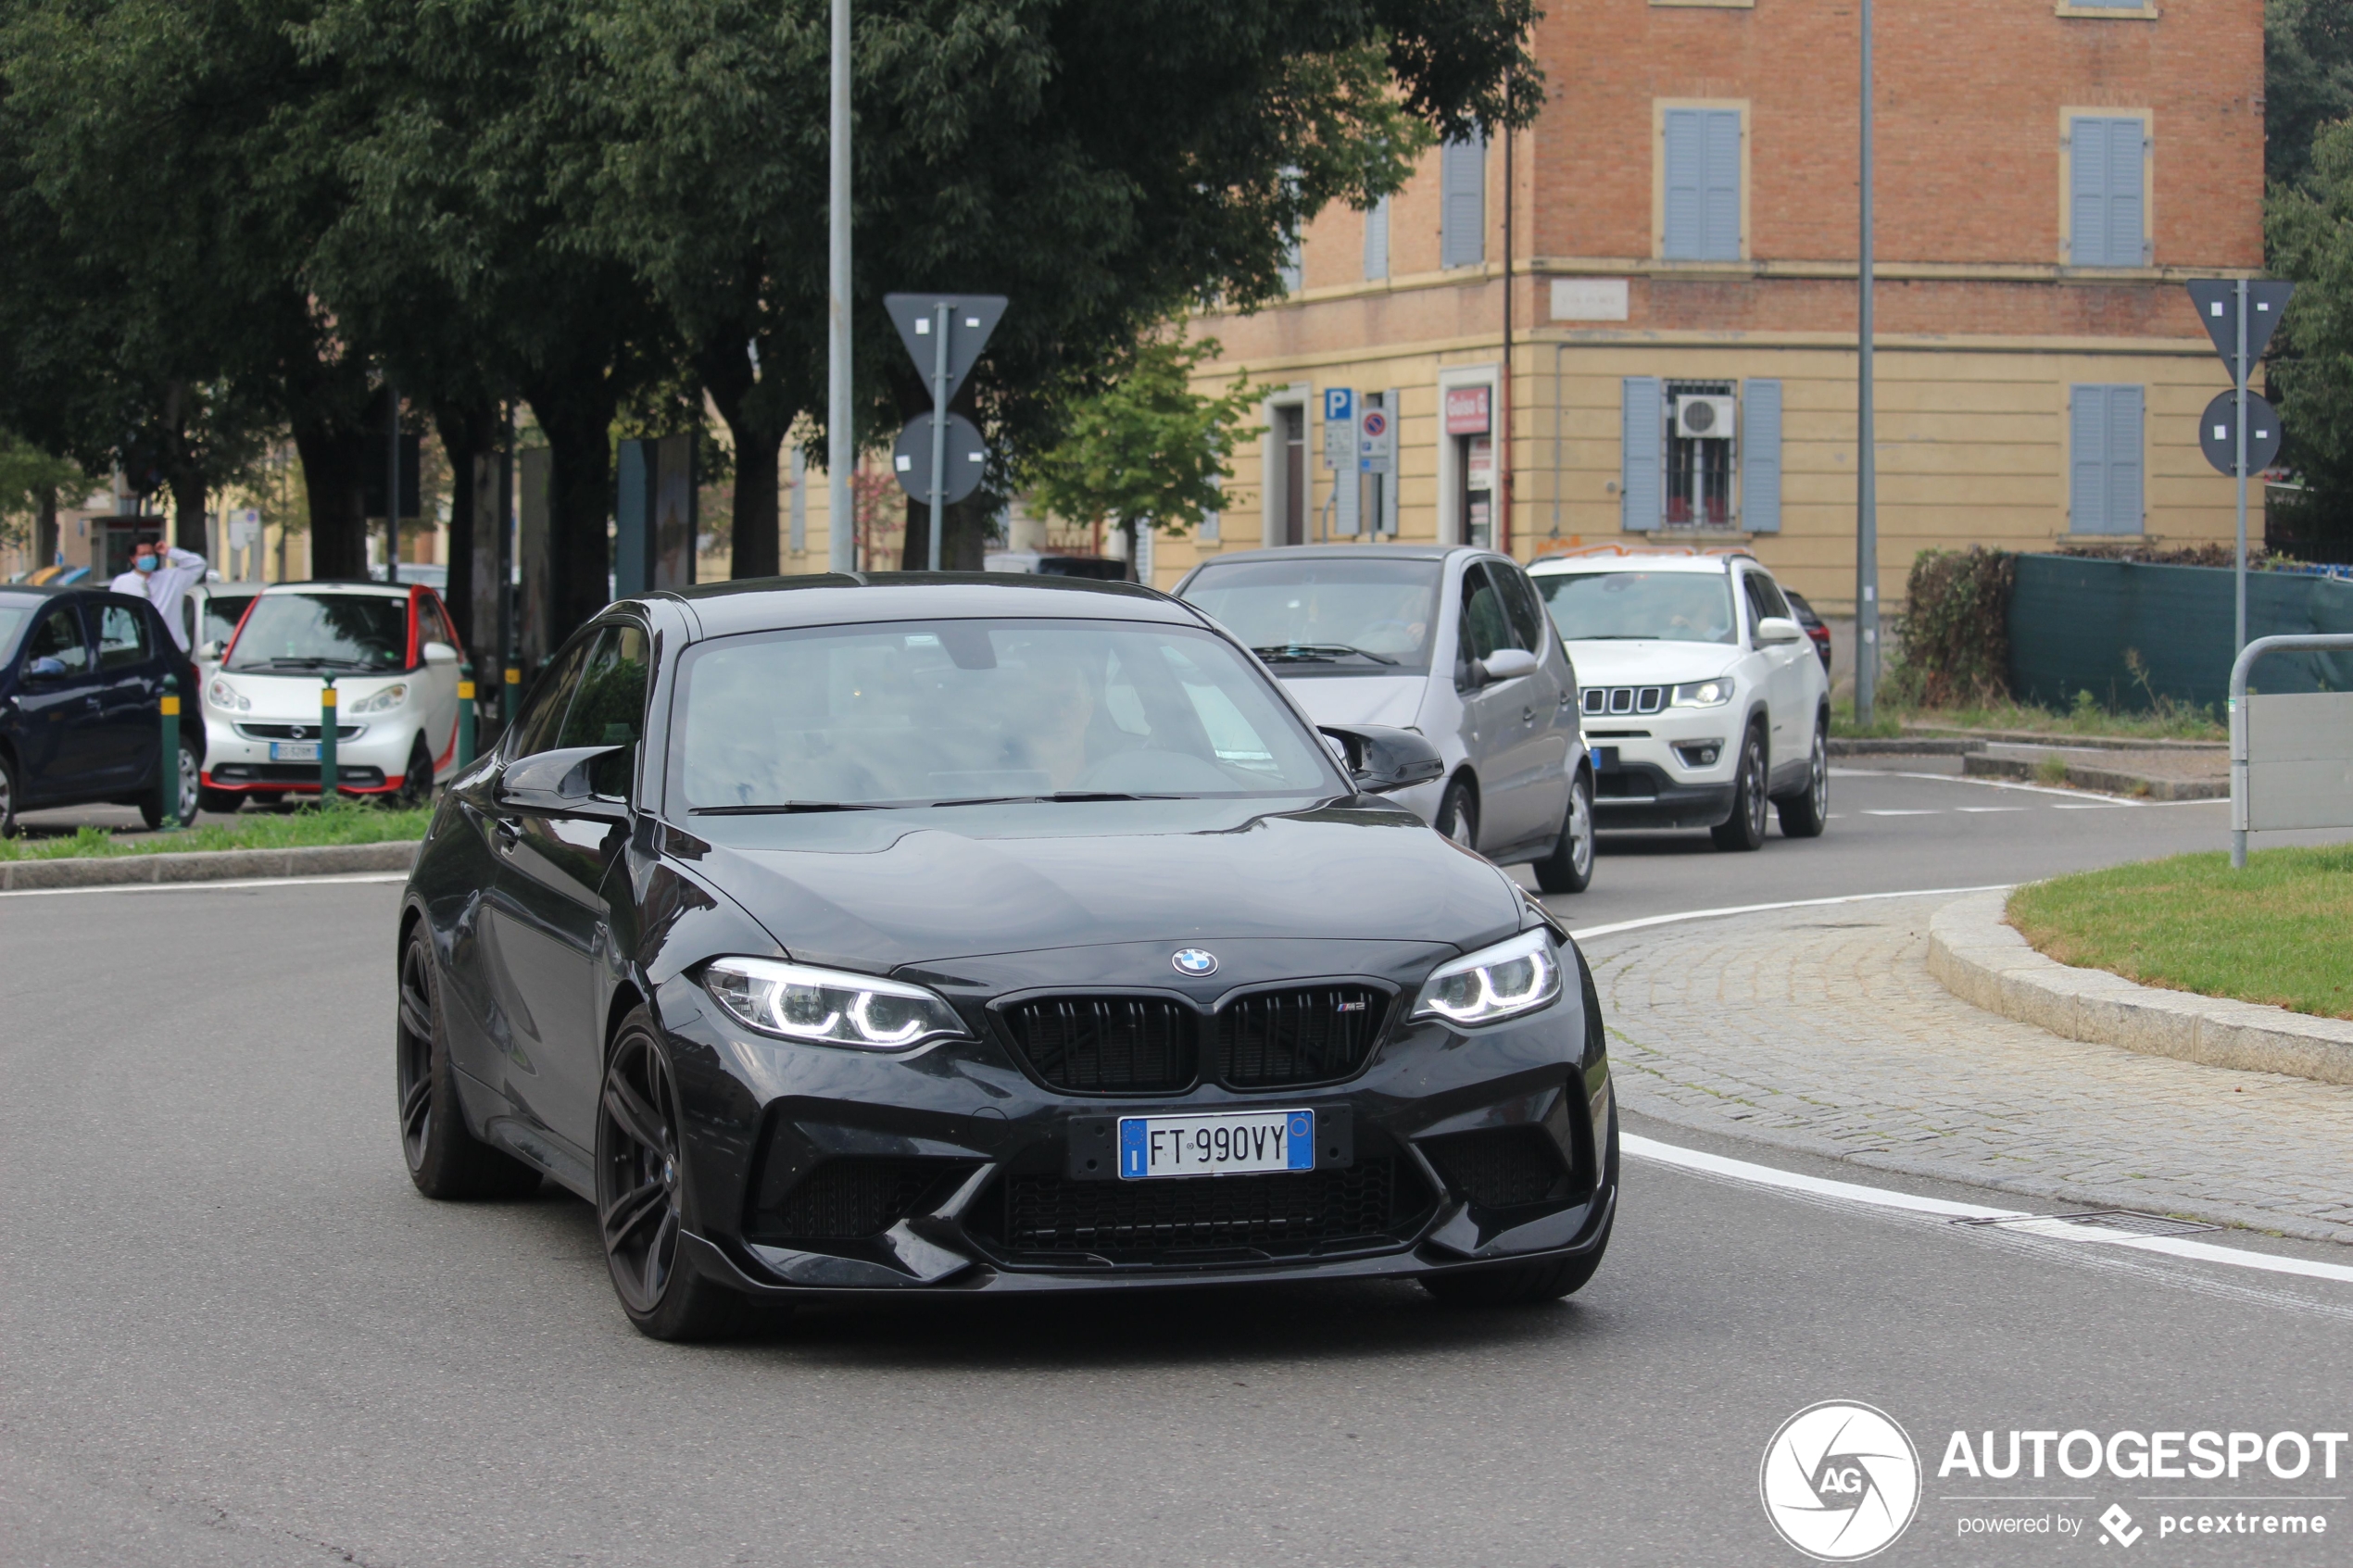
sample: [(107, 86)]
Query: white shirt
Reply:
[(165, 587)]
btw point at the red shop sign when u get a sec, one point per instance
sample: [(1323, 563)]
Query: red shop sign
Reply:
[(1466, 410)]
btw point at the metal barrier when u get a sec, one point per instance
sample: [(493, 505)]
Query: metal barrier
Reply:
[(2308, 780)]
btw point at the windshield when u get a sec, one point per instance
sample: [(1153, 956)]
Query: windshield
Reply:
[(16, 613), (938, 713), (1343, 617), (1672, 606), (333, 632)]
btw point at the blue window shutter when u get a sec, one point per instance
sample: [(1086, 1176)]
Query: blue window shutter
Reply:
[(2107, 222), (1462, 215), (2087, 460), (2087, 191), (1376, 241), (1721, 230), (2127, 236), (1685, 145), (1640, 477), (2123, 445), (1761, 457)]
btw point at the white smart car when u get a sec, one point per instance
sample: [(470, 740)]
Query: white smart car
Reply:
[(395, 663), (1702, 697)]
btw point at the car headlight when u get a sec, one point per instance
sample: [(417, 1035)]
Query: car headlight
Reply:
[(1494, 984), (384, 701), (1704, 694), (826, 1007), (226, 698)]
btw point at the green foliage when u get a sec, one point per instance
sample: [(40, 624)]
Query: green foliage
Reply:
[(1147, 450), (2308, 231), (1954, 645), (2308, 81), (344, 821), (31, 477), (2273, 932)]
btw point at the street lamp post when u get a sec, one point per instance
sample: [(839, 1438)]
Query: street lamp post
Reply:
[(841, 437), (1866, 466)]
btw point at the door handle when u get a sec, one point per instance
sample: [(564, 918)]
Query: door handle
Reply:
[(1528, 715)]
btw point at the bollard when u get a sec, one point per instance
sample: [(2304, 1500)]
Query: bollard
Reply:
[(511, 696), (168, 765), (327, 741), (465, 714)]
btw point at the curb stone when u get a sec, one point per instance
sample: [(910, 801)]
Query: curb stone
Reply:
[(208, 865), (1989, 964), (2106, 780)]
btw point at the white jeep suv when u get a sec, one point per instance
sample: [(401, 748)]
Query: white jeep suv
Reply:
[(1702, 697)]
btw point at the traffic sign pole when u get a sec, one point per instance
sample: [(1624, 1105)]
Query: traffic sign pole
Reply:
[(2238, 640), (938, 429)]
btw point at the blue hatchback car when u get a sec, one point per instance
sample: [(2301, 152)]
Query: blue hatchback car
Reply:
[(81, 673)]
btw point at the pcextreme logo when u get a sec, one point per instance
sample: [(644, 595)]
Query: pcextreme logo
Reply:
[(1841, 1481)]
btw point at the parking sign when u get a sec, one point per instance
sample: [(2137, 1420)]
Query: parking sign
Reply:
[(1376, 442)]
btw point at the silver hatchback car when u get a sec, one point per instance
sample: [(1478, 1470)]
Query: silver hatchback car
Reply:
[(1448, 641)]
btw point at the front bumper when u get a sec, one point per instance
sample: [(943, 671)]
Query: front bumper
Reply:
[(1647, 773), (951, 1169), (371, 755)]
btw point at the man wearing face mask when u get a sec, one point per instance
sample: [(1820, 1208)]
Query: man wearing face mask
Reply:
[(162, 575)]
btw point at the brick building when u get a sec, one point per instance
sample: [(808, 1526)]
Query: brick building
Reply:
[(1682, 233)]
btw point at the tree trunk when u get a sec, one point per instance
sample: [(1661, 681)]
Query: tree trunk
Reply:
[(45, 531), (467, 433), (576, 410), (330, 452), (187, 507), (759, 430), (965, 544)]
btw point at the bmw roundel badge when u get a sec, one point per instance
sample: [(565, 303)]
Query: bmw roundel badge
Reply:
[(1195, 962)]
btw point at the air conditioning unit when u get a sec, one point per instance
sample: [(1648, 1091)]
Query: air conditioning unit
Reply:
[(1704, 419)]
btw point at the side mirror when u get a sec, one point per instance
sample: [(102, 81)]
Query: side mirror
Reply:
[(1778, 628), (557, 783), (1381, 759), (1506, 664), (208, 652), (440, 653), (46, 669)]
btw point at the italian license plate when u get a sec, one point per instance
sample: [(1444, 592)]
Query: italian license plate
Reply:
[(1224, 1144), (294, 751)]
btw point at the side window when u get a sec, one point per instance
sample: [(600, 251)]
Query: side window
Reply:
[(432, 626), (1485, 624), (543, 711), (1764, 598), (123, 637), (59, 637), (1775, 602), (611, 709), (1520, 604)]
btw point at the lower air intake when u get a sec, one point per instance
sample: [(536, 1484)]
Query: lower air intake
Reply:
[(1503, 1167), (1035, 1216), (850, 1198)]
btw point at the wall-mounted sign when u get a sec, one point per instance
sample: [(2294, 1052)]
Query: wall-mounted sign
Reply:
[(1376, 442), (1466, 410), (1480, 471), (1588, 300)]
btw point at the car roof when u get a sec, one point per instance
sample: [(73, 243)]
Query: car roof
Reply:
[(381, 590), (1342, 552), (762, 604), (1639, 557)]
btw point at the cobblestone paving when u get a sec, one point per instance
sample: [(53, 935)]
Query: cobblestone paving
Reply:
[(1821, 1029)]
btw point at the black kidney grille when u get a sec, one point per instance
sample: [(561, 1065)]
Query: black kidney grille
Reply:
[(1306, 1037), (1108, 1045), (1364, 1204), (1503, 1167), (850, 1198)]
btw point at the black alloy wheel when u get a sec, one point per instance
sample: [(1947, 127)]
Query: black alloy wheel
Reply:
[(445, 1159), (1531, 1284), (177, 791), (1569, 868), (641, 1207), (1744, 829), (1458, 814), (1806, 815)]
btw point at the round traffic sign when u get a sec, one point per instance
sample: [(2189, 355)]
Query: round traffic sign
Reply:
[(967, 457), (1376, 423), (2218, 433)]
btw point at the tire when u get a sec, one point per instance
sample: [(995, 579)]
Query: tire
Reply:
[(641, 1196), (221, 802), (176, 792), (1569, 868), (1744, 829), (1458, 814), (1531, 1284), (445, 1159), (416, 785), (7, 796), (1805, 815)]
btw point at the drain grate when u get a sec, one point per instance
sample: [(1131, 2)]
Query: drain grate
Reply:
[(2130, 1221)]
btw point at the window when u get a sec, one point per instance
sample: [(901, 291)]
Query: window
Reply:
[(610, 706), (1462, 167), (1700, 192), (1699, 468), (2107, 214), (432, 626), (1487, 621), (1377, 242), (1347, 616), (1667, 607), (59, 637), (321, 634), (1764, 599), (543, 711), (221, 615), (1521, 604), (2104, 459), (123, 637)]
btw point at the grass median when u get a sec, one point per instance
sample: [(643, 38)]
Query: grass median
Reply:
[(339, 821), (2274, 933)]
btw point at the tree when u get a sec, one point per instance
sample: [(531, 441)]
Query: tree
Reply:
[(1147, 451), (31, 480), (2308, 81), (2309, 228)]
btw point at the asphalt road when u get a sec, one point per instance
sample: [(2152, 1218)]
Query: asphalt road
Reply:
[(231, 1333)]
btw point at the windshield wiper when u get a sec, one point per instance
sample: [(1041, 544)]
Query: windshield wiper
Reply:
[(1060, 797), (311, 661), (1317, 653), (783, 808)]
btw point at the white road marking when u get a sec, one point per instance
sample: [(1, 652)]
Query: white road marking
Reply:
[(346, 878), (1982, 811), (1913, 812), (1648, 921), (2018, 1220)]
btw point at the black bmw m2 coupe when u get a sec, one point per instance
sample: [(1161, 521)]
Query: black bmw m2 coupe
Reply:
[(844, 935)]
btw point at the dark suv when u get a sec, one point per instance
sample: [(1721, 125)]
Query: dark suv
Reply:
[(82, 705)]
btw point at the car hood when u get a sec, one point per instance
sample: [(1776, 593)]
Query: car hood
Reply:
[(874, 891), (1358, 699), (295, 698), (1649, 663)]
